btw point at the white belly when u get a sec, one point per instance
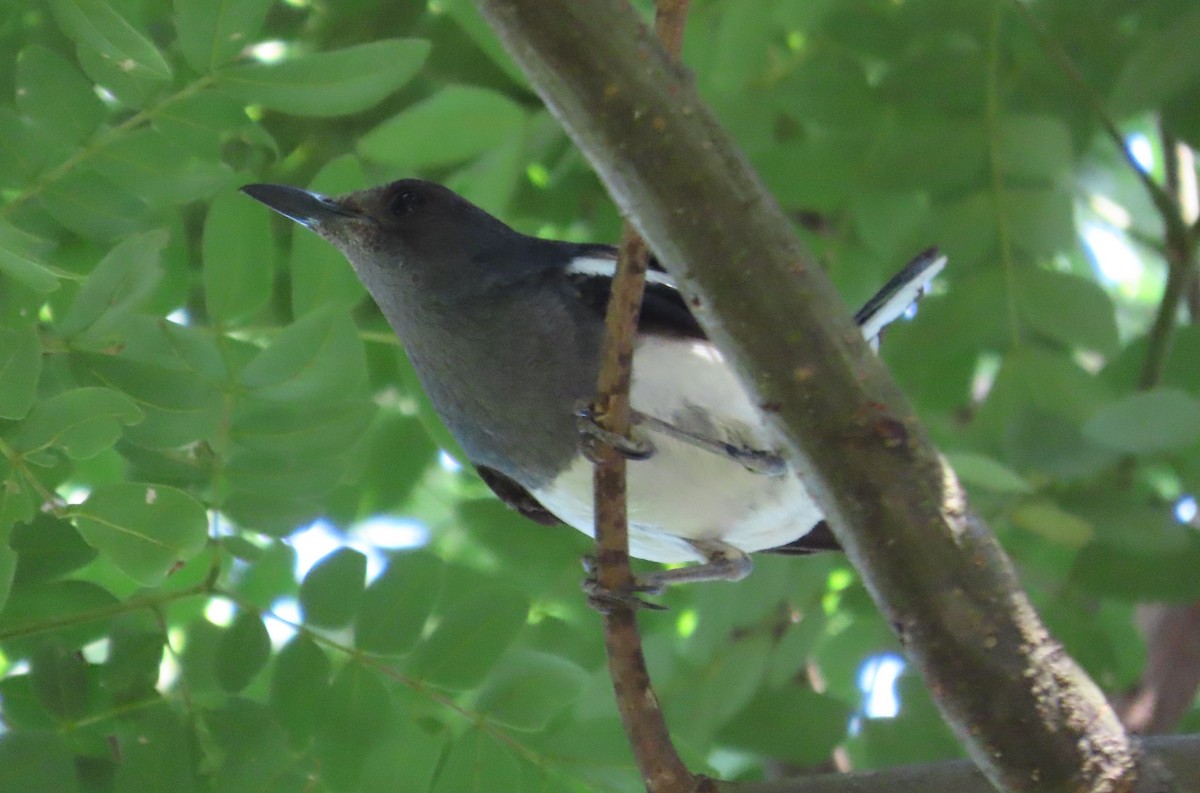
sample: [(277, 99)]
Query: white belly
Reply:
[(684, 492)]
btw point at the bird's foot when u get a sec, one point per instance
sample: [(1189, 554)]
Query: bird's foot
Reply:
[(604, 600), (595, 436)]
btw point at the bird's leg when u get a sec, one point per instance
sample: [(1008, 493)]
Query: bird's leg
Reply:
[(755, 460), (628, 447), (722, 562)]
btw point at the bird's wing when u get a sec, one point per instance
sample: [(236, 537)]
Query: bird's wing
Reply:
[(516, 496), (664, 309), (818, 540)]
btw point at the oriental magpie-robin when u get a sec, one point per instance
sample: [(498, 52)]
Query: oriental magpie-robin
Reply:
[(504, 331)]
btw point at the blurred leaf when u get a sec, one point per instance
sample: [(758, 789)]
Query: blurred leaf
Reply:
[(84, 422), (19, 254), (1035, 149), (212, 34), (119, 283), (477, 763), (1161, 65), (37, 762), (405, 760), (8, 572), (1149, 422), (299, 685), (96, 25), (1067, 308), (454, 124), (805, 725), (397, 604), (237, 256), (317, 357), (527, 689), (333, 588), (1052, 522), (157, 754), (329, 83), (20, 368), (59, 677), (79, 607), (987, 473), (242, 651), (356, 706), (135, 654), (48, 547), (145, 529), (470, 636), (55, 96)]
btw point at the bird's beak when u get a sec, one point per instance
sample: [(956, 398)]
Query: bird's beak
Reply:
[(308, 209)]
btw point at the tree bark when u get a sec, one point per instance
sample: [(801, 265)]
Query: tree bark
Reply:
[(1030, 717)]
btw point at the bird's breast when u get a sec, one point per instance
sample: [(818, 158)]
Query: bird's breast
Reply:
[(685, 492)]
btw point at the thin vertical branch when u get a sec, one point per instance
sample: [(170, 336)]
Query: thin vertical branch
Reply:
[(659, 762)]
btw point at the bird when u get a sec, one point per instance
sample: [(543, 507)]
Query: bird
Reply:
[(504, 331)]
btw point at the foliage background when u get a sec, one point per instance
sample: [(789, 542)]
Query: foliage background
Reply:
[(155, 471)]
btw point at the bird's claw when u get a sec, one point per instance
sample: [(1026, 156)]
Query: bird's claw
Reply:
[(605, 600), (595, 436)]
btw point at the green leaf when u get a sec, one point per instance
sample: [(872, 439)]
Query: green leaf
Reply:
[(1161, 67), (1053, 523), (77, 610), (470, 636), (804, 726), (527, 689), (59, 677), (135, 654), (1035, 149), (96, 25), (318, 357), (397, 604), (20, 368), (237, 251), (455, 124), (334, 83), (404, 759), (242, 651), (92, 206), (179, 406), (55, 96), (212, 34), (356, 706), (1149, 422), (157, 169), (159, 753), (1067, 308), (298, 429), (119, 283), (321, 276), (48, 547), (1042, 221), (84, 422), (144, 529), (19, 254), (37, 762), (331, 591), (299, 685), (987, 473), (8, 571), (478, 763)]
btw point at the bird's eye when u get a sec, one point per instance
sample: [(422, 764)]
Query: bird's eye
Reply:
[(405, 202)]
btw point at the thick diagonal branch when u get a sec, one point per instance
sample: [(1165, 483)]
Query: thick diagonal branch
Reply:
[(1020, 704)]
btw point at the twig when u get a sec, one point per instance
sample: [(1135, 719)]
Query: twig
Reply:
[(1180, 254), (933, 568), (1163, 200), (646, 728)]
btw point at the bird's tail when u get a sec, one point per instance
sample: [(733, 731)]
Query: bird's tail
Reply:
[(899, 294)]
